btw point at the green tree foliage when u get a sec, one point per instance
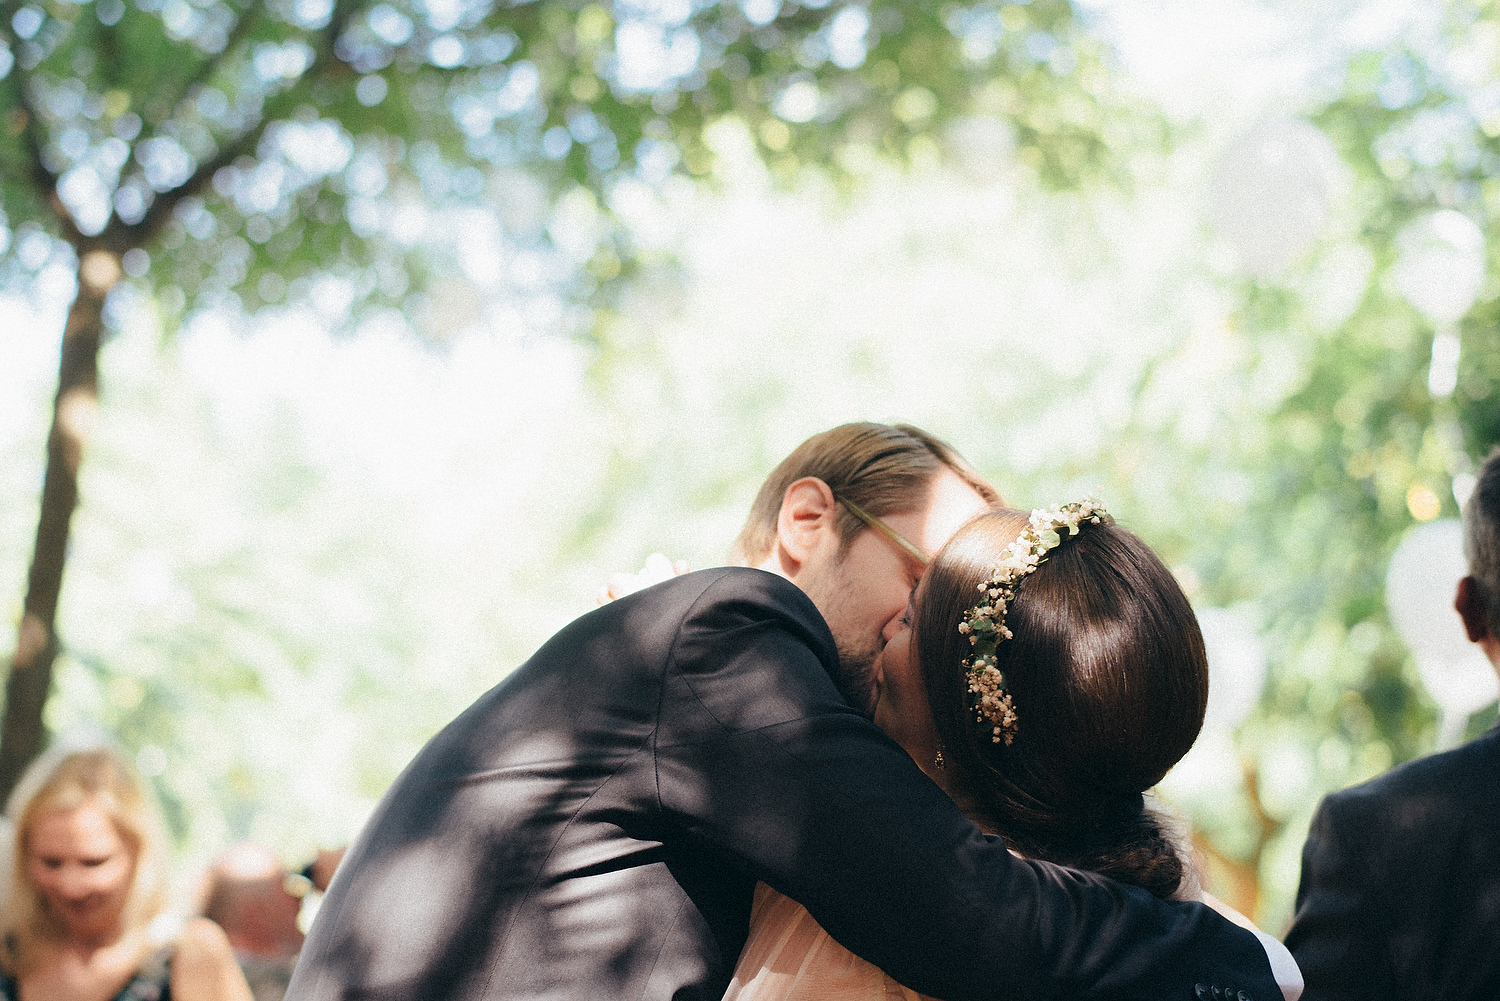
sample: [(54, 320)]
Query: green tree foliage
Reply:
[(1378, 431), (234, 153), (248, 154), (235, 141)]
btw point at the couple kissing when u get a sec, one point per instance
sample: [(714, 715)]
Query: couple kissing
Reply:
[(899, 750)]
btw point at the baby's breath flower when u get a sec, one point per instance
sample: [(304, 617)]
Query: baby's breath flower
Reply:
[(984, 624)]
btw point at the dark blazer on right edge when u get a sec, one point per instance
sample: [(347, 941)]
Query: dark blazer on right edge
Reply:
[(1400, 892)]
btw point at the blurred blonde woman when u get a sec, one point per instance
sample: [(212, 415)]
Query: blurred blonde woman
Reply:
[(83, 918)]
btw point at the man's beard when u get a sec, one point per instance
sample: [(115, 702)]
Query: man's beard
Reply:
[(857, 679)]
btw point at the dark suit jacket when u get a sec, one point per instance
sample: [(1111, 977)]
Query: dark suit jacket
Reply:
[(593, 828), (1400, 892)]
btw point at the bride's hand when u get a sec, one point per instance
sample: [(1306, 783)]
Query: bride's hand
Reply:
[(657, 569)]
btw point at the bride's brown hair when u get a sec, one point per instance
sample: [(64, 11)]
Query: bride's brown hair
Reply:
[(1110, 683)]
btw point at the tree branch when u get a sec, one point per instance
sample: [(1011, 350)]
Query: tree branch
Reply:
[(274, 109), (209, 66), (43, 179), (8, 10), (137, 234)]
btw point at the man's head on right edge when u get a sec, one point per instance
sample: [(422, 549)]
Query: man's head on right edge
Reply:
[(839, 518), (1478, 599)]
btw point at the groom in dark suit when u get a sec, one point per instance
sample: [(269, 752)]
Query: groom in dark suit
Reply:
[(593, 827), (1400, 891)]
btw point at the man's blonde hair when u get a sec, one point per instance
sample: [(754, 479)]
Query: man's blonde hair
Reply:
[(65, 780), (883, 468)]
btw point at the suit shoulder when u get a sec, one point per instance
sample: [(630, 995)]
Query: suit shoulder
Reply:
[(745, 594), (749, 581), (1458, 772), (746, 587), (714, 600)]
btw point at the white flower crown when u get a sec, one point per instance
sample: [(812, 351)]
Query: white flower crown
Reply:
[(984, 624)]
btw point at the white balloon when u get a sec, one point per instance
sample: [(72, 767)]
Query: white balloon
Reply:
[(1419, 586), (1270, 193), (1439, 266), (1236, 666)]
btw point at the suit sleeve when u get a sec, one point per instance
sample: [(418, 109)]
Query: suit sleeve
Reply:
[(1336, 936), (759, 759)]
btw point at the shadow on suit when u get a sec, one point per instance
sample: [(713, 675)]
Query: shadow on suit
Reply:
[(1400, 889), (593, 827)]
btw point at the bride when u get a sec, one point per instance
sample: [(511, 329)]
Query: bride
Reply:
[(1049, 672)]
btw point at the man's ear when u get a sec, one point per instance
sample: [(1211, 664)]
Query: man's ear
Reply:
[(808, 520), (1466, 602)]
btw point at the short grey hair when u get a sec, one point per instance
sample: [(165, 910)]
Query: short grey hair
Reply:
[(1482, 538)]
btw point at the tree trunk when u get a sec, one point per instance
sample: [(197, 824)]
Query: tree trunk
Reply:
[(30, 677)]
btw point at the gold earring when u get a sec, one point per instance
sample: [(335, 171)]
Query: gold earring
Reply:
[(938, 761)]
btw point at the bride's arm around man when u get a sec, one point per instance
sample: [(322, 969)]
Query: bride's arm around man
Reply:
[(595, 825), (1047, 673)]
